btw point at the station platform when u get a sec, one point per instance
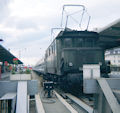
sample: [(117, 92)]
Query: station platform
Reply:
[(50, 105), (15, 92)]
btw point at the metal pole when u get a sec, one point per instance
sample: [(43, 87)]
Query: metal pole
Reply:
[(72, 5), (62, 16), (66, 21), (88, 22)]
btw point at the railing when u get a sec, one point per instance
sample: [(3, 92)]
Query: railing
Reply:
[(5, 106)]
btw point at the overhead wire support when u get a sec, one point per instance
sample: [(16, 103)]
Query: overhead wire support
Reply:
[(81, 18), (70, 15), (70, 5), (88, 22)]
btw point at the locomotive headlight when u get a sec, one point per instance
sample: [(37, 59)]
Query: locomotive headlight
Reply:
[(70, 64)]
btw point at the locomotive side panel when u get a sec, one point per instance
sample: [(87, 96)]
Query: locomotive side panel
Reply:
[(59, 56)]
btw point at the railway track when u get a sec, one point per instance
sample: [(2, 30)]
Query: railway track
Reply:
[(81, 104)]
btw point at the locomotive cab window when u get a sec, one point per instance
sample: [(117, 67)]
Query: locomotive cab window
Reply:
[(78, 42), (89, 42), (68, 42)]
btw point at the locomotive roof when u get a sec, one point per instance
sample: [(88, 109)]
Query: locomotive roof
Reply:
[(73, 33), (110, 35)]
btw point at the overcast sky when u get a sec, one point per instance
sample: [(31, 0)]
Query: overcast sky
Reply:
[(25, 25)]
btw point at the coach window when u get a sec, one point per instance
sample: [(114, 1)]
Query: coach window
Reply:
[(53, 47), (48, 52), (46, 55)]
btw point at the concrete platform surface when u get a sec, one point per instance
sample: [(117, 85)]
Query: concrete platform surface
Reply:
[(50, 105), (53, 105)]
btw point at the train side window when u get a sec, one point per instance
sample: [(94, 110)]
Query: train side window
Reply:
[(46, 55), (54, 46), (50, 50)]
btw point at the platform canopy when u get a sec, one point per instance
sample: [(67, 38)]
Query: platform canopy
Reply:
[(5, 55), (110, 35)]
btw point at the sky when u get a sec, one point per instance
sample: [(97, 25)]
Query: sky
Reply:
[(25, 25)]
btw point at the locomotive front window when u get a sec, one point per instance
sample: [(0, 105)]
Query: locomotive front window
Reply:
[(89, 42), (78, 42), (84, 42), (73, 42), (68, 42)]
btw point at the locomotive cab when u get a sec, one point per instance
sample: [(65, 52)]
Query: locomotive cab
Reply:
[(81, 47), (77, 48)]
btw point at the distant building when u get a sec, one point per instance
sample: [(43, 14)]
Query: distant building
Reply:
[(114, 56)]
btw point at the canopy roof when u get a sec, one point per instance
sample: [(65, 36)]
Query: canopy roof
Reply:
[(5, 55), (110, 35)]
